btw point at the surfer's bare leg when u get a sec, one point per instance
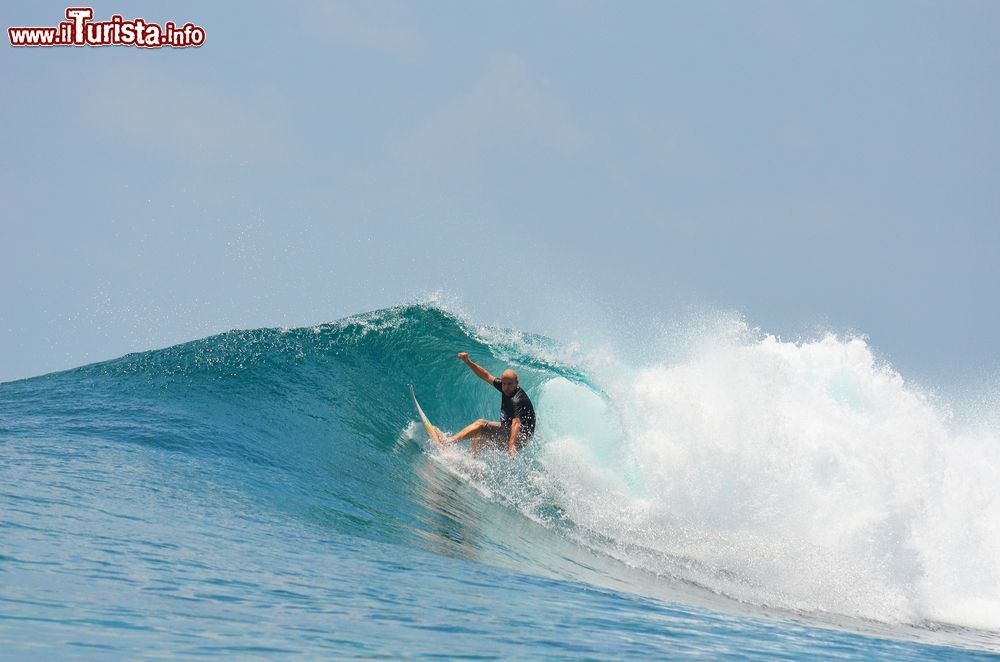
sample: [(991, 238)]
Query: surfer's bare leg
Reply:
[(474, 431), (485, 438)]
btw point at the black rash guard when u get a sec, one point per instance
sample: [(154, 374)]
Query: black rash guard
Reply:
[(516, 406)]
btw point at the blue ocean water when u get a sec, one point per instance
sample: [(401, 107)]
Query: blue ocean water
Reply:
[(269, 492)]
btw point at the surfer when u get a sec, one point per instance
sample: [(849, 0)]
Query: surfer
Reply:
[(517, 415)]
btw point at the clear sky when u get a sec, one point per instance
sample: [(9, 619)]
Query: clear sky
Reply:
[(550, 165)]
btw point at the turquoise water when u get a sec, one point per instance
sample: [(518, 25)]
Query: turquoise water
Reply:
[(268, 492)]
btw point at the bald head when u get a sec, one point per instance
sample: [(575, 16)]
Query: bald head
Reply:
[(508, 382)]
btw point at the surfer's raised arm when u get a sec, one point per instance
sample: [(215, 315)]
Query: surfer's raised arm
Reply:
[(480, 371)]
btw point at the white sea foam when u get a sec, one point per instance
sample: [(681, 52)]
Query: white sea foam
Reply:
[(805, 475)]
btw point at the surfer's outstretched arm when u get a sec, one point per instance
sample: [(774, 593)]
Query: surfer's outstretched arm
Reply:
[(480, 371)]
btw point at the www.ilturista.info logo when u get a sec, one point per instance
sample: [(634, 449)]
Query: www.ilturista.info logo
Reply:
[(80, 30)]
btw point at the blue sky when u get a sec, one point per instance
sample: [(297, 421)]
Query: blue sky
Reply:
[(571, 168)]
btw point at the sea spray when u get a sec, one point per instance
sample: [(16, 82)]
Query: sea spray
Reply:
[(807, 476)]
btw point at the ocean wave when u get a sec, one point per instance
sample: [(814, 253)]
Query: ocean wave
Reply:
[(806, 476)]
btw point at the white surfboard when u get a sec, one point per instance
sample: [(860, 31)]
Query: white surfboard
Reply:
[(435, 434)]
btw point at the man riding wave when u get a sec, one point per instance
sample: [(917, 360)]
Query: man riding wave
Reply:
[(517, 415)]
